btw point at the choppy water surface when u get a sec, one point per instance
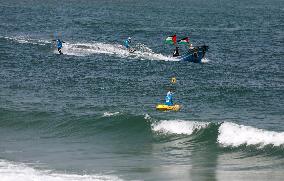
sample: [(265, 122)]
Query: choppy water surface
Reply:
[(90, 114)]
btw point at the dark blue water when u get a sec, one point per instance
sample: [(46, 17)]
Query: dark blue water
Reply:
[(90, 114)]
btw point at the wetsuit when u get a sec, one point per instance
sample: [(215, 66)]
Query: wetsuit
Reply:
[(59, 45), (126, 44), (169, 99)]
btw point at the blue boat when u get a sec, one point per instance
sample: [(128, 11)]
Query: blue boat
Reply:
[(195, 54)]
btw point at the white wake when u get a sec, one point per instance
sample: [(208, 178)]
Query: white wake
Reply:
[(85, 49)]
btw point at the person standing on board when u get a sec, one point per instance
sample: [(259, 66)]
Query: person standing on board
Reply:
[(169, 98), (59, 45), (127, 45)]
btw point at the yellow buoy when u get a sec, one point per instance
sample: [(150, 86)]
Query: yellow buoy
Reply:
[(174, 80)]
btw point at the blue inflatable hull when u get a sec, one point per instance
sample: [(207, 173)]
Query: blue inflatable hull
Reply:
[(195, 55), (190, 57)]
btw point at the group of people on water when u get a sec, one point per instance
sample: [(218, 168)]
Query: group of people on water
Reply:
[(169, 96), (176, 50), (127, 45), (127, 42)]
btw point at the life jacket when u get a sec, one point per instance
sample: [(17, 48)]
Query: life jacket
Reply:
[(126, 43), (59, 43), (169, 99)]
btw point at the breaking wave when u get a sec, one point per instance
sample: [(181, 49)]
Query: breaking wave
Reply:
[(231, 134), (10, 171), (178, 126), (147, 128), (228, 134)]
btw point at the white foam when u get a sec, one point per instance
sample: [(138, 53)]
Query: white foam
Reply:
[(205, 60), (15, 172), (147, 117), (108, 114), (178, 126), (231, 134), (84, 49), (25, 39)]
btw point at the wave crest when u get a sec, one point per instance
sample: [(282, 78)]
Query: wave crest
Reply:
[(178, 126), (234, 135)]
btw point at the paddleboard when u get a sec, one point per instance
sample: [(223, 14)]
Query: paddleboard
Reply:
[(163, 107)]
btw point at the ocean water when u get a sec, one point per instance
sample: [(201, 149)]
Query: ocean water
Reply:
[(90, 114)]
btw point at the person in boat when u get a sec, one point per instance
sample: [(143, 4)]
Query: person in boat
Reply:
[(59, 45), (203, 51), (127, 43), (176, 52), (169, 98), (190, 48), (195, 52)]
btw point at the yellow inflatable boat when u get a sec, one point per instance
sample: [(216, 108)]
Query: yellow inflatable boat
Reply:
[(163, 107)]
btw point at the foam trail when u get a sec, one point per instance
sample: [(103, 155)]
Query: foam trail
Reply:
[(178, 126), (84, 49), (25, 39), (205, 60), (231, 134), (14, 172)]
